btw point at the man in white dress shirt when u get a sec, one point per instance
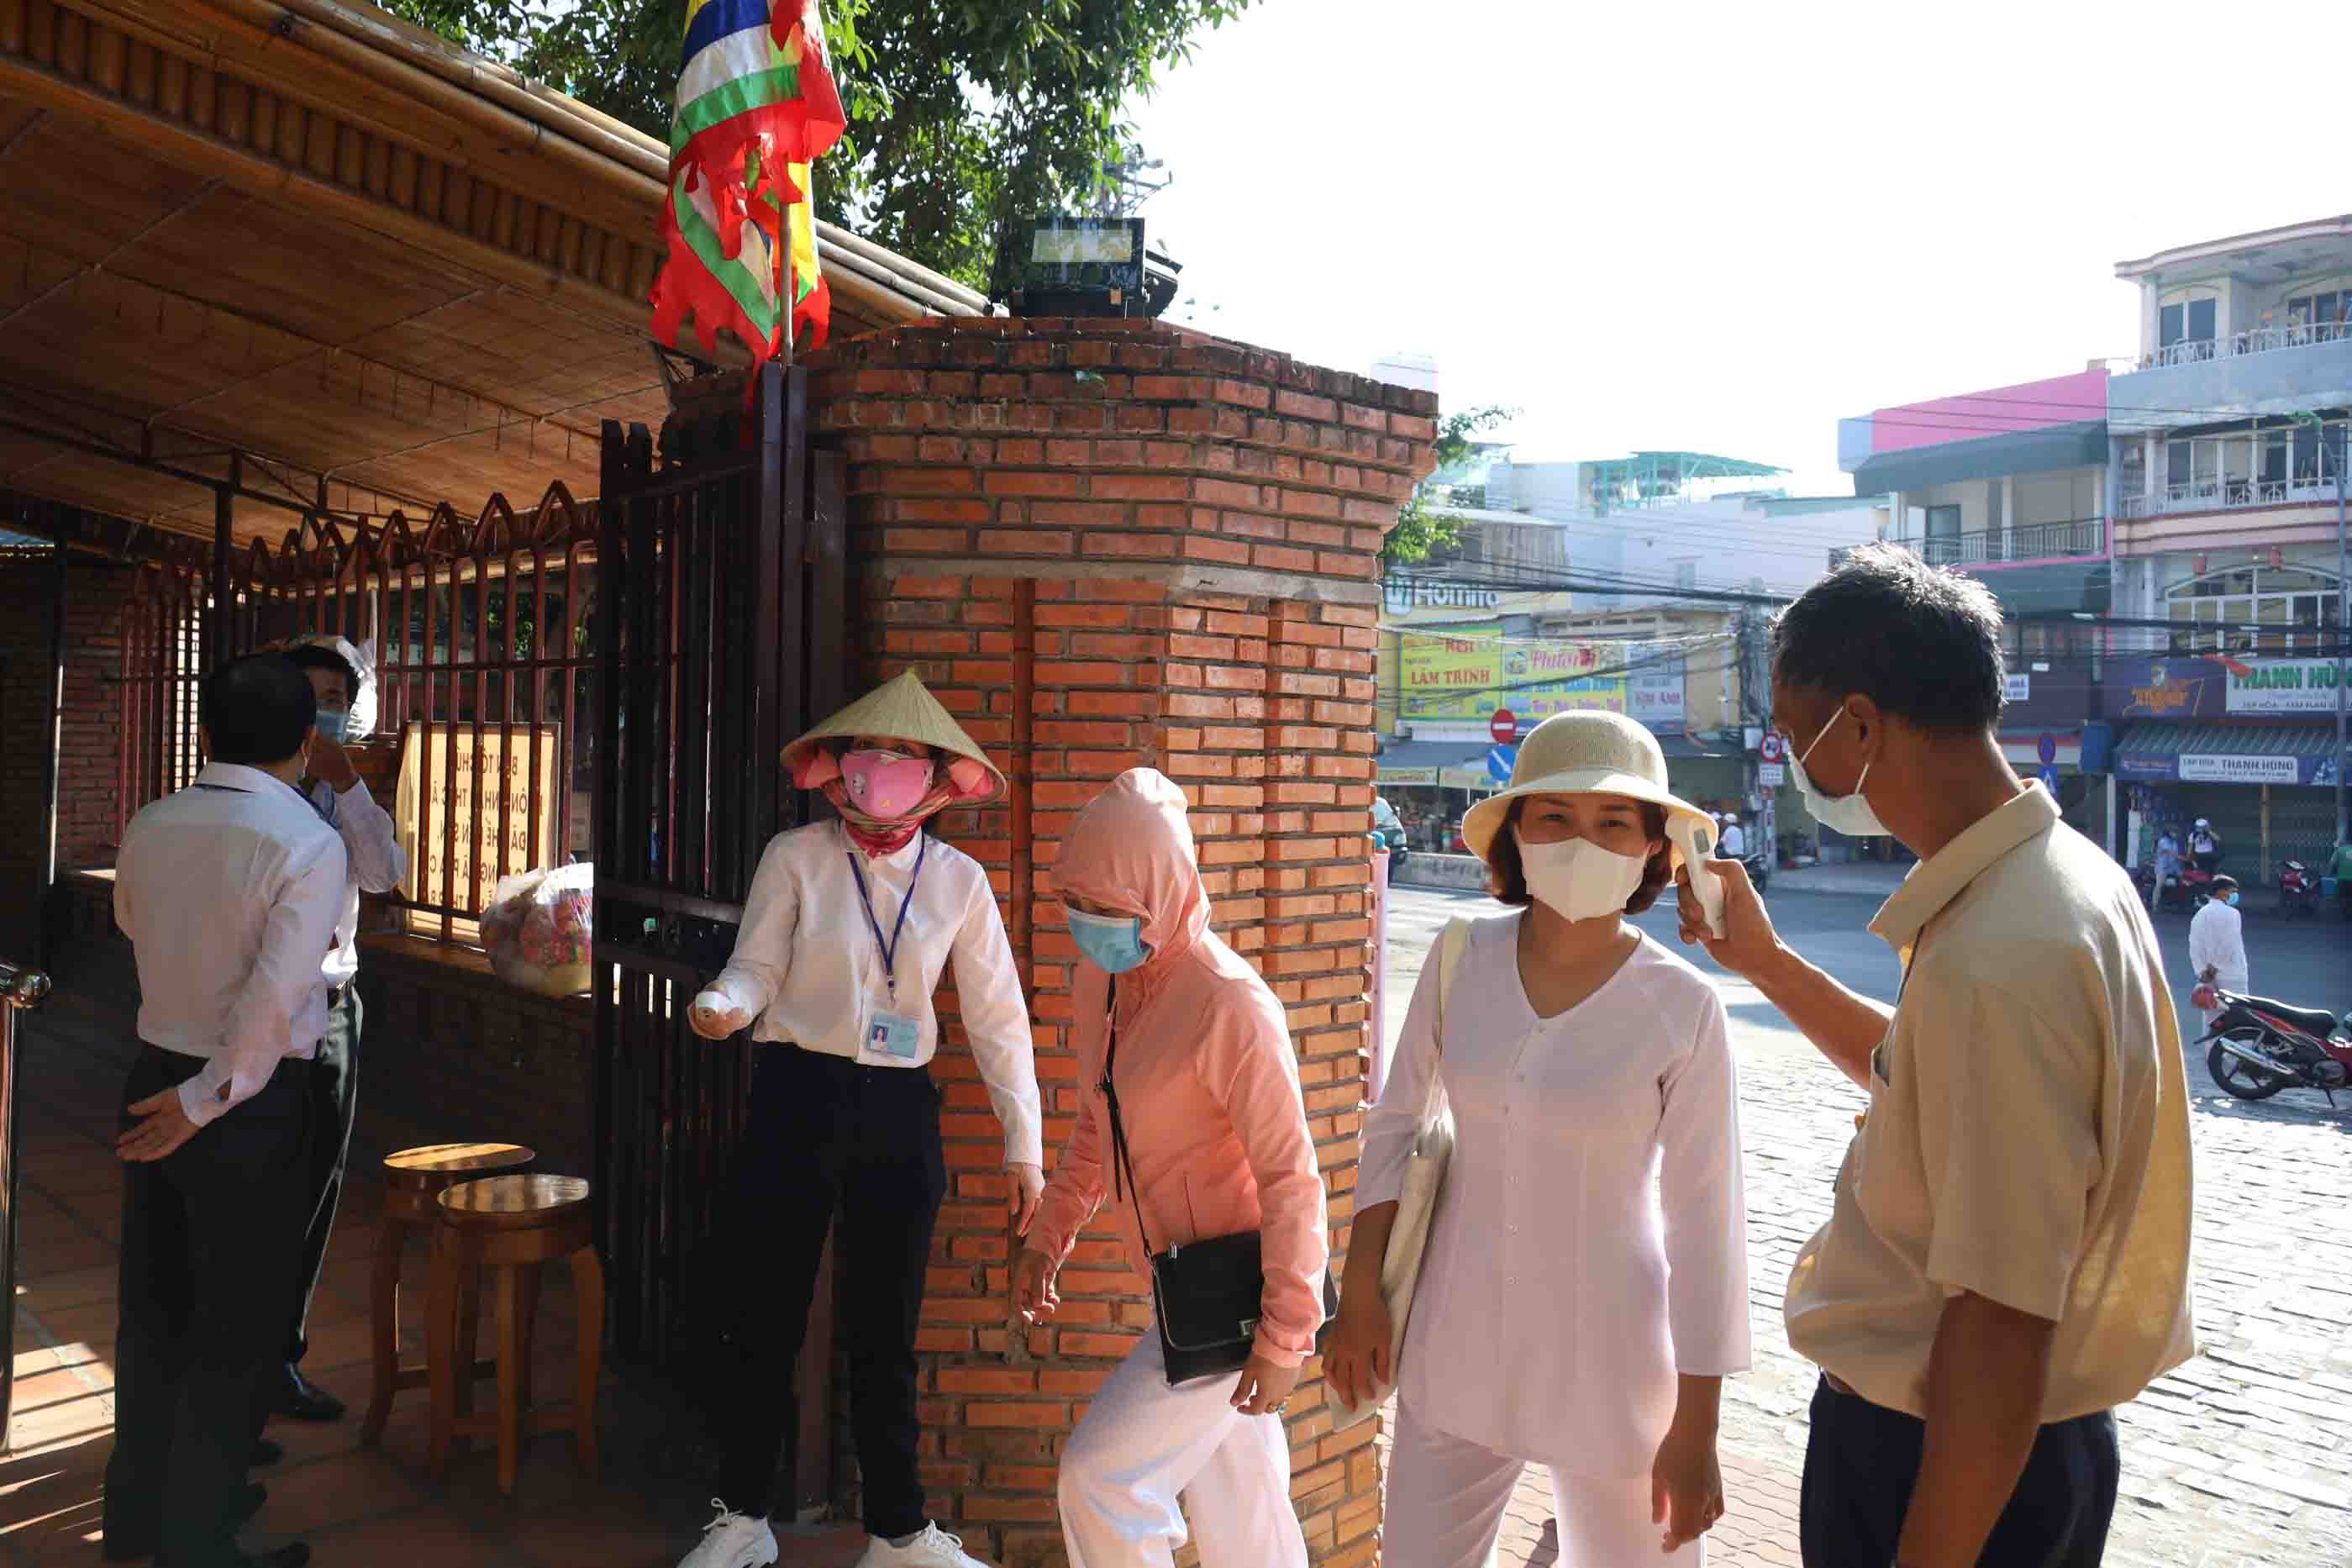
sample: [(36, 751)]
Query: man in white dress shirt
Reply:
[(229, 891), (342, 678), (1734, 846)]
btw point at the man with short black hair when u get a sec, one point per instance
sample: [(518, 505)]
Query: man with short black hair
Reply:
[(342, 678), (2007, 1256), (228, 891)]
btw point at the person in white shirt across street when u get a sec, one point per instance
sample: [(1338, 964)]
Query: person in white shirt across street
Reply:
[(847, 926), (1734, 845), (1584, 1291), (229, 891), (342, 678), (2217, 945)]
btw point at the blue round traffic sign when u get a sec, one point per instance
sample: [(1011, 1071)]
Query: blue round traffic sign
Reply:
[(2048, 749)]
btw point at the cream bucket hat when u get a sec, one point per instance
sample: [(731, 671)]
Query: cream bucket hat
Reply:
[(1593, 753), (903, 709)]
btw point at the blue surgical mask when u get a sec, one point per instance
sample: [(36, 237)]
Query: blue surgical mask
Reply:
[(1848, 814), (2230, 898), (1112, 944), (330, 724)]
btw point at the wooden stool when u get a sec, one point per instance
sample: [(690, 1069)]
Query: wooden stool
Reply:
[(413, 1179), (509, 1225)]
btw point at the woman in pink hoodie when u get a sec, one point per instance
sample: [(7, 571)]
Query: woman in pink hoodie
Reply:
[(1216, 1132)]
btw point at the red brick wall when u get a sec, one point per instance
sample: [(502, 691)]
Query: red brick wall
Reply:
[(89, 757), (1105, 546)]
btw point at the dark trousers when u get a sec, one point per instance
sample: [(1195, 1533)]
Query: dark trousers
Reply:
[(211, 1237), (825, 1132), (334, 1091), (1861, 1461)]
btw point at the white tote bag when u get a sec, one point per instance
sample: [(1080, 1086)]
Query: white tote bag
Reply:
[(1409, 1237)]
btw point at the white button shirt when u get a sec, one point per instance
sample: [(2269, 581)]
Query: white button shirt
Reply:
[(2217, 941), (377, 862), (807, 964), (229, 891), (1591, 1241)]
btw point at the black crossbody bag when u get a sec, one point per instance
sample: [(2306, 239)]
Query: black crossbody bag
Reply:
[(1206, 1294)]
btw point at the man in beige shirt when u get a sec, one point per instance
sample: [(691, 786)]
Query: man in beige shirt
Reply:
[(2006, 1258)]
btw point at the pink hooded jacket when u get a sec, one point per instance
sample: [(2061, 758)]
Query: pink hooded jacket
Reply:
[(1208, 1080)]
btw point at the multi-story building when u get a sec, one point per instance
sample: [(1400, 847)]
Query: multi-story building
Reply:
[(1620, 585), (2229, 435), (2010, 485)]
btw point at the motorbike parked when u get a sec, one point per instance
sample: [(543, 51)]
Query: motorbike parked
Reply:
[(1759, 869), (2298, 890), (2258, 1047), (2187, 890)]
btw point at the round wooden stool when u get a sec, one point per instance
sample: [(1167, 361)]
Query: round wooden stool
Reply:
[(413, 1179), (508, 1226)]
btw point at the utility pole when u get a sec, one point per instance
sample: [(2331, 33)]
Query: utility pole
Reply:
[(2342, 629), (2333, 454)]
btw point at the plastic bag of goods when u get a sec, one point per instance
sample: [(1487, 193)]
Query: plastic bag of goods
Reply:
[(539, 930)]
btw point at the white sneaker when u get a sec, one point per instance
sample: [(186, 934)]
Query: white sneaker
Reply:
[(733, 1541), (935, 1548)]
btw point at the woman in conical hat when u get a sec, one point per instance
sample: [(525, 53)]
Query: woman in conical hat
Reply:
[(847, 926)]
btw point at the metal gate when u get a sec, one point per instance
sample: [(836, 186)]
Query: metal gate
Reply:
[(721, 634)]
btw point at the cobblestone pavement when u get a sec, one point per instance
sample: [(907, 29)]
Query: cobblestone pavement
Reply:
[(2242, 1458)]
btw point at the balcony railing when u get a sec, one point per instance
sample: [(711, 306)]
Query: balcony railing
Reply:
[(2254, 340), (2226, 495), (2082, 536)]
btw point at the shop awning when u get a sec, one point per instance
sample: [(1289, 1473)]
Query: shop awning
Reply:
[(2080, 444), (1683, 748), (2226, 753), (1458, 765)]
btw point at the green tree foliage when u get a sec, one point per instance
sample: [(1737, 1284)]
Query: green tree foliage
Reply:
[(1422, 530), (968, 118)]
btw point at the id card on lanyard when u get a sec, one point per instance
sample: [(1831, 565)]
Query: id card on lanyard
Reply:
[(884, 1030)]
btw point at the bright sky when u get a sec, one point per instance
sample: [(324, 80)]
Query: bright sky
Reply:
[(1721, 227)]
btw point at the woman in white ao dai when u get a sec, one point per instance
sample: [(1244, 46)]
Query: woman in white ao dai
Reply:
[(1584, 1290)]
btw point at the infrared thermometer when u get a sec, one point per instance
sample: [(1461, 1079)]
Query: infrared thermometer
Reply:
[(1695, 840)]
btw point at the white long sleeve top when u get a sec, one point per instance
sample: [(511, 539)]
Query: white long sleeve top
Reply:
[(229, 890), (2217, 940), (807, 966), (1591, 1241), (377, 863)]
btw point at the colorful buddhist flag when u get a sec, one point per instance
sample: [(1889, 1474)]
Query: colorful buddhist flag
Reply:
[(756, 108)]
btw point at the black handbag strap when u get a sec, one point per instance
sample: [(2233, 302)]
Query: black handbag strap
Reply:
[(1122, 1166)]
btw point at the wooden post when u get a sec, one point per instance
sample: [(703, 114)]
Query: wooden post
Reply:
[(216, 623)]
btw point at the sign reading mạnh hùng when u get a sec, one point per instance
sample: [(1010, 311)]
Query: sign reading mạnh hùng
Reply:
[(450, 825)]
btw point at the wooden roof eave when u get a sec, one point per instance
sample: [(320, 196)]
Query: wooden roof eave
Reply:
[(348, 58)]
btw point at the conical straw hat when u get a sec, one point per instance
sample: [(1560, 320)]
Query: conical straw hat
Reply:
[(903, 709)]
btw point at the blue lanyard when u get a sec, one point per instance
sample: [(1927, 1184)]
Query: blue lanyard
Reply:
[(890, 948)]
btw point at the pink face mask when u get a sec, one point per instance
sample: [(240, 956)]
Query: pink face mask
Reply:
[(886, 785)]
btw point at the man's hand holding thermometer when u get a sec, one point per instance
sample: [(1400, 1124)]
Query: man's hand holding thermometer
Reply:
[(1699, 881)]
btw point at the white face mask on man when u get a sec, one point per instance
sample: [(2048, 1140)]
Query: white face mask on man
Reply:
[(1577, 877)]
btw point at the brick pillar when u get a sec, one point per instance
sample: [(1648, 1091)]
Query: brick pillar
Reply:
[(1107, 545)]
